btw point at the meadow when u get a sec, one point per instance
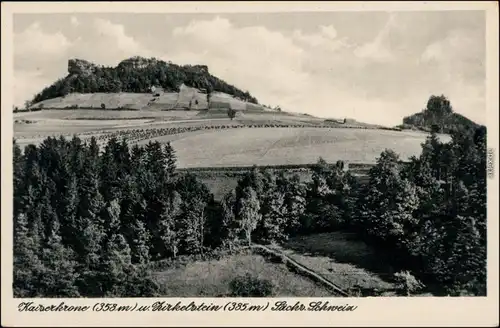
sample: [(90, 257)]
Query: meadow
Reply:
[(279, 146), (212, 278), (261, 139), (338, 256), (187, 97)]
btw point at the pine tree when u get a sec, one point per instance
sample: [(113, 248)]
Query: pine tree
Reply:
[(18, 175), (140, 243), (116, 267), (170, 159), (27, 264), (58, 278), (111, 217)]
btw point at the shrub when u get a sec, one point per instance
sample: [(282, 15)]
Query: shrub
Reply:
[(248, 286), (407, 283)]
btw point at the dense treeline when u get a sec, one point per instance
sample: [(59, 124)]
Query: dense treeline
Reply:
[(438, 115), (87, 221), (127, 77)]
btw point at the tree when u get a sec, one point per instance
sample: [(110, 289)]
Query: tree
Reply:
[(274, 219), (294, 192), (58, 277), (231, 113), (112, 217), (229, 226), (140, 243), (171, 159), (192, 221), (116, 266), (390, 201), (167, 226), (249, 215), (27, 264)]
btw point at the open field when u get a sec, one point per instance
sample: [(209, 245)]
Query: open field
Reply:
[(212, 278), (241, 142), (279, 146), (340, 258), (343, 259), (98, 114)]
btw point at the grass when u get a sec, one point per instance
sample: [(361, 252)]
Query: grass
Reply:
[(147, 101), (229, 147), (212, 278), (271, 146), (339, 257), (85, 114), (343, 259)]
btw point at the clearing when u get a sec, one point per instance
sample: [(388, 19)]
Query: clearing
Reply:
[(339, 257), (212, 278), (343, 259)]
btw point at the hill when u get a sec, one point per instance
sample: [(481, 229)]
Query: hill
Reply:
[(438, 115), (138, 75)]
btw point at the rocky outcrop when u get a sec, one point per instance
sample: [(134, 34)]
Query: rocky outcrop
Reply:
[(201, 68), (80, 67), (137, 62)]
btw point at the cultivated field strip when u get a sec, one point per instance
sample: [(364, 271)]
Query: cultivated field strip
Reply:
[(221, 144)]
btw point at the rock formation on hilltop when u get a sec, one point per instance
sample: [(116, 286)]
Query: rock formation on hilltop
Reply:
[(439, 116), (81, 67), (137, 75)]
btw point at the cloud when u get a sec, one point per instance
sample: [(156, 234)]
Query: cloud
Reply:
[(378, 48), (459, 46), (34, 42), (329, 31), (27, 84), (107, 31), (74, 21), (324, 70), (248, 57)]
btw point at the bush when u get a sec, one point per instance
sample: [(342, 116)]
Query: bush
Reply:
[(103, 106), (407, 283), (248, 286)]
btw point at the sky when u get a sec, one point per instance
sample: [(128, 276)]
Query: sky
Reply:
[(375, 67)]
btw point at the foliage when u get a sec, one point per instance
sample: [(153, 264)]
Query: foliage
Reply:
[(88, 221), (249, 286), (406, 283), (127, 76), (438, 114), (231, 113)]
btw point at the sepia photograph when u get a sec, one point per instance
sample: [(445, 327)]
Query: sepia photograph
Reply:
[(281, 154)]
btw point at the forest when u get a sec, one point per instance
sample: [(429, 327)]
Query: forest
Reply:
[(127, 77), (90, 222)]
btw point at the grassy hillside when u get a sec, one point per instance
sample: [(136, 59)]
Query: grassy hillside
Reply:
[(186, 99), (137, 75)]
